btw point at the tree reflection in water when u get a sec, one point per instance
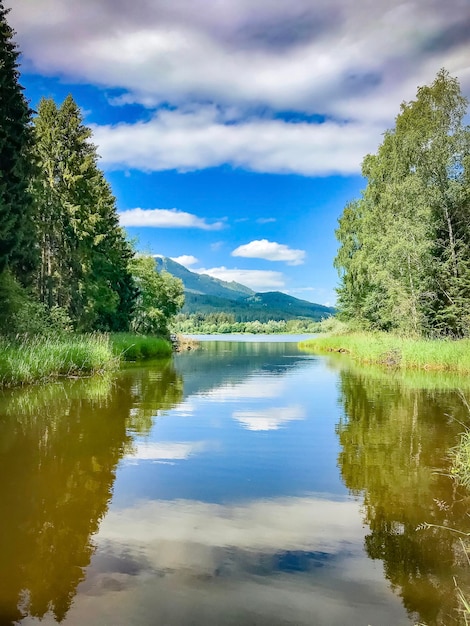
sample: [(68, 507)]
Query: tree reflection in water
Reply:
[(59, 448), (395, 436)]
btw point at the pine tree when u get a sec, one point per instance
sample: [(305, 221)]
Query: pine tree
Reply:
[(84, 254), (17, 231)]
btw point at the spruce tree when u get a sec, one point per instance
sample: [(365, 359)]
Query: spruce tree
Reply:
[(17, 231), (84, 254)]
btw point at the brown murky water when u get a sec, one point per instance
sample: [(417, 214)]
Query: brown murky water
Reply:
[(246, 483)]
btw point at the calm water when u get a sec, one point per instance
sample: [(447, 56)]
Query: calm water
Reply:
[(242, 484)]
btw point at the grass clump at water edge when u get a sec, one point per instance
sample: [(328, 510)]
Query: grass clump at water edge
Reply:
[(34, 359), (128, 347), (26, 360), (388, 349)]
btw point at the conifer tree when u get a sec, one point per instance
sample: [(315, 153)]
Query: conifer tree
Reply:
[(84, 254), (17, 232)]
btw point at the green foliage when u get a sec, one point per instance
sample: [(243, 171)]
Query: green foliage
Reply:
[(221, 323), (17, 231), (22, 314), (130, 347), (160, 297), (84, 254), (404, 256)]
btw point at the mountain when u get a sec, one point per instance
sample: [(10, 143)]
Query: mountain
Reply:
[(205, 294), (202, 283)]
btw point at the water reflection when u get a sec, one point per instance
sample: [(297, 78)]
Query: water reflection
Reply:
[(395, 442), (59, 449), (206, 490)]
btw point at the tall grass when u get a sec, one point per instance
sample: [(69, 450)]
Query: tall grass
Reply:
[(38, 359), (128, 347), (34, 359), (460, 458), (388, 349)]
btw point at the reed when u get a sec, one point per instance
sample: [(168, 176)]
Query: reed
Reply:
[(27, 360), (128, 347), (401, 352)]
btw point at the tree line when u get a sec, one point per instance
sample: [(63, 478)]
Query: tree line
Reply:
[(404, 254), (64, 260), (223, 322)]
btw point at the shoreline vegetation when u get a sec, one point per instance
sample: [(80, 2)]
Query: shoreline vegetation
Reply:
[(27, 360), (393, 351)]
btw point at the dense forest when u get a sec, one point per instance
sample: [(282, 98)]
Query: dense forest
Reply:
[(404, 255), (222, 322), (65, 263)]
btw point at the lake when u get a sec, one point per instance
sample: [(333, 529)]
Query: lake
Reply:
[(244, 483)]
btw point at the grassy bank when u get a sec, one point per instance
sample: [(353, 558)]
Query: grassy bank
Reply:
[(35, 359), (391, 350), (128, 347), (39, 359)]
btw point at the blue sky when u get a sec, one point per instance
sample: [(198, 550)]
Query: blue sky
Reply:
[(232, 131)]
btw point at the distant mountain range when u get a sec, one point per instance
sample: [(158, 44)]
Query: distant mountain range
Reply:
[(205, 294)]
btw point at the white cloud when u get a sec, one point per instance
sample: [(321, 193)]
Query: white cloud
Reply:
[(190, 560), (165, 218), (255, 387), (294, 523), (270, 418), (271, 251), (258, 280), (333, 57), (200, 138), (185, 259), (350, 63), (149, 450)]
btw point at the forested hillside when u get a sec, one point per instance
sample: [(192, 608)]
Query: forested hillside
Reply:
[(404, 256), (206, 295), (202, 283)]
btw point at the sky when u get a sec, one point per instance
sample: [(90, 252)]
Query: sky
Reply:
[(232, 131)]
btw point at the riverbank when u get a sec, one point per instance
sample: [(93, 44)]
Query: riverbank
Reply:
[(390, 350), (40, 359)]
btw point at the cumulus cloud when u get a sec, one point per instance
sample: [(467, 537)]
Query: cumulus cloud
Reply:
[(165, 218), (328, 56), (200, 138), (271, 251), (185, 259), (351, 64), (258, 280)]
